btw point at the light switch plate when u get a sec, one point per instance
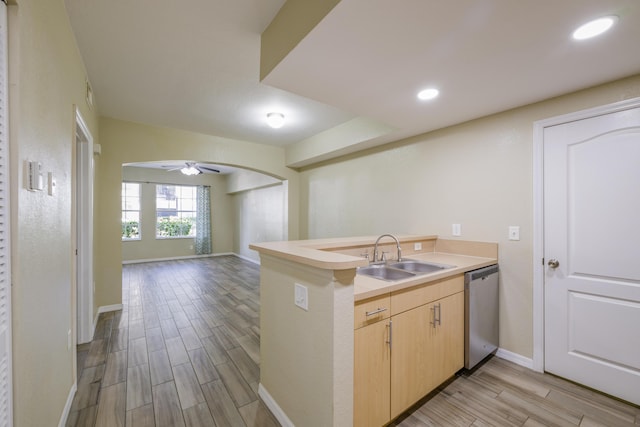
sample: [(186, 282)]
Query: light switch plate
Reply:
[(514, 232), (456, 229), (301, 296), (417, 246), (52, 184)]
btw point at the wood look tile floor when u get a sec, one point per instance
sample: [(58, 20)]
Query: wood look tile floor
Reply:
[(184, 351)]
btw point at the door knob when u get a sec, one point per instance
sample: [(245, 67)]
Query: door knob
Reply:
[(553, 263)]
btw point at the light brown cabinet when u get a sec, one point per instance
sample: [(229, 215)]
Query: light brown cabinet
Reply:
[(372, 375), (400, 359), (428, 347)]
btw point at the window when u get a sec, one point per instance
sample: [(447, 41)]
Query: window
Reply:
[(130, 211), (175, 211)]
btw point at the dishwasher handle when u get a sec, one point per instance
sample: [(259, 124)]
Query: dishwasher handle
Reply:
[(480, 273)]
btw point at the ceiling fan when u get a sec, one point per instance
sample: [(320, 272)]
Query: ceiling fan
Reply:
[(192, 168)]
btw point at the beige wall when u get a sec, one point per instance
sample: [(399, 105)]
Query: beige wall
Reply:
[(125, 142), (478, 174), (47, 77), (148, 247), (261, 216)]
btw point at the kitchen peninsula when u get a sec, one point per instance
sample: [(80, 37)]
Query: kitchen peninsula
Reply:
[(307, 294)]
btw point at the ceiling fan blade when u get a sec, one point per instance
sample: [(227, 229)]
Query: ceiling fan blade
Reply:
[(208, 169), (173, 168)]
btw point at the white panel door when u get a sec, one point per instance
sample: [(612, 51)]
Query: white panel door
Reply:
[(592, 230)]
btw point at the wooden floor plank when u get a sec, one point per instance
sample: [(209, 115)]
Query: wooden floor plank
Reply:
[(97, 352), (256, 414), (198, 416), (238, 388), (111, 408), (205, 371), (141, 417), (138, 386), (137, 353), (160, 367), (166, 405), (88, 390), (85, 417), (187, 385), (189, 338), (246, 366), (177, 353), (223, 409), (116, 369)]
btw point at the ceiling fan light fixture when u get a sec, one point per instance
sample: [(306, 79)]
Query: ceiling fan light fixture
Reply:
[(190, 170), (594, 28), (275, 120)]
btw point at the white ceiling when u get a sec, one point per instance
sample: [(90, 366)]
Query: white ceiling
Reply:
[(195, 64), (190, 65)]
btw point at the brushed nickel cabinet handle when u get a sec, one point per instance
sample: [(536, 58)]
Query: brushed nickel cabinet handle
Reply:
[(378, 310), (436, 315)]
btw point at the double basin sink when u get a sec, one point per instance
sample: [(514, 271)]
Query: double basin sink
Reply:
[(399, 270)]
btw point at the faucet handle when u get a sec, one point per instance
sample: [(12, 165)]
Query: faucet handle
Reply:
[(365, 255), (384, 256)]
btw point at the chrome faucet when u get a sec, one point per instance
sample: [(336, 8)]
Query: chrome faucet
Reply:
[(375, 248)]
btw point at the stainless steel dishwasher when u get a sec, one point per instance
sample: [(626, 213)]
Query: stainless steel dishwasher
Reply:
[(481, 314)]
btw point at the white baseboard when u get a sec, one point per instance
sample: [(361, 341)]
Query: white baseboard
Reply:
[(107, 308), (246, 258), (140, 261), (67, 406), (273, 407), (515, 358), (175, 258)]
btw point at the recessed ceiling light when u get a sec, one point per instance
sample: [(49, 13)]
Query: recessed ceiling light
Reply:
[(275, 120), (594, 28), (428, 94)]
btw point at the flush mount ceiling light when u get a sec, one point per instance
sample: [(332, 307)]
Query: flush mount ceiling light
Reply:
[(594, 28), (275, 120), (427, 94)]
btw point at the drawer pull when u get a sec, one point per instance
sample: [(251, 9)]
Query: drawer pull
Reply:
[(371, 313)]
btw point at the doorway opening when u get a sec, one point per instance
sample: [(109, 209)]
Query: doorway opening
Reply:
[(84, 169)]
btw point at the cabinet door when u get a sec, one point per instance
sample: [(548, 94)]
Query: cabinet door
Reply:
[(410, 357), (427, 349), (372, 375), (447, 339)]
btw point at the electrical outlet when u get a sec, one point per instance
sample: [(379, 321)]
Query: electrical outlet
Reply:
[(417, 246), (456, 229), (514, 232), (301, 297)]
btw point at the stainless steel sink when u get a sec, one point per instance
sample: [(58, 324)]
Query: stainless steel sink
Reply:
[(401, 270), (420, 266), (385, 273)]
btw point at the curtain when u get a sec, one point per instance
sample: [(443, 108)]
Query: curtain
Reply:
[(203, 220)]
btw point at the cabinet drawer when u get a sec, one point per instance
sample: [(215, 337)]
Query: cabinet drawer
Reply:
[(416, 296), (371, 310)]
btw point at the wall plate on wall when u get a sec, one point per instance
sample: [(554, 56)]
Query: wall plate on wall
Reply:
[(35, 180)]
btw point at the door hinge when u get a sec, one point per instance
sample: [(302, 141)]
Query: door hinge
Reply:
[(77, 254), (542, 261)]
